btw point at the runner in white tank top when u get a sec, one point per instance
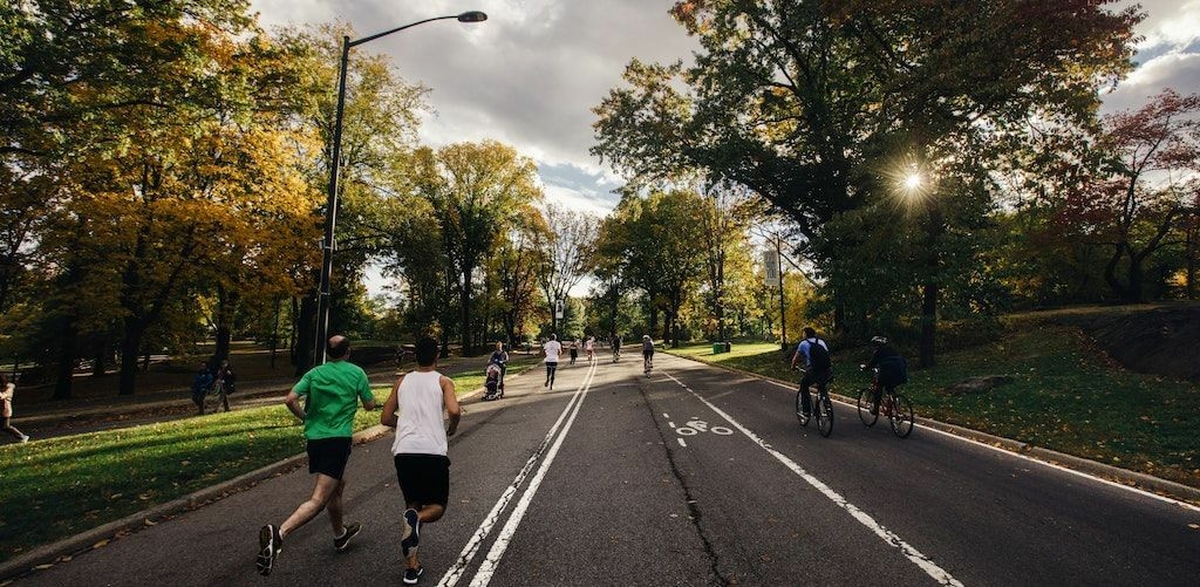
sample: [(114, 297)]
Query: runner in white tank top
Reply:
[(419, 429), (422, 467)]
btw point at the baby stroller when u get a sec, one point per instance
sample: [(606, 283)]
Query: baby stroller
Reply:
[(494, 386)]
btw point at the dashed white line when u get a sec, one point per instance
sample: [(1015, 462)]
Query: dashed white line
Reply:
[(923, 562), (681, 442)]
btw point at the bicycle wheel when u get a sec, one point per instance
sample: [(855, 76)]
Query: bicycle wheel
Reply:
[(901, 417), (825, 416), (866, 404), (800, 410)]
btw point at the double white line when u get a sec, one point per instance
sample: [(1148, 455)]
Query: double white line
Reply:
[(549, 448)]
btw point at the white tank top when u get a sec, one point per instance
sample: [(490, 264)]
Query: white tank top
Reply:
[(419, 429)]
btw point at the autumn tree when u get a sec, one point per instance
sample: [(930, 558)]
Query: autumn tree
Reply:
[(1141, 189), (379, 129), (477, 192), (567, 248), (653, 240), (811, 104)]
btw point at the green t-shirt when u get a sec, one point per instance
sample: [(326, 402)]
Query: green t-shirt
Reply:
[(333, 390)]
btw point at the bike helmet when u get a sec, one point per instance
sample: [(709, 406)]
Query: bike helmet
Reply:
[(878, 340), (645, 337)]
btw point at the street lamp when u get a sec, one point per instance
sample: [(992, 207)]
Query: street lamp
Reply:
[(327, 245)]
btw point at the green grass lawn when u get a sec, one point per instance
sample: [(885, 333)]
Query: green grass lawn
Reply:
[(1066, 396), (58, 487)]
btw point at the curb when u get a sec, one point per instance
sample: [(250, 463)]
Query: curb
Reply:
[(1125, 477), (95, 538)]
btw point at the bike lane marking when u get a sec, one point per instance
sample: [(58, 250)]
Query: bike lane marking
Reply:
[(1085, 475), (488, 567), (891, 538), (452, 576)]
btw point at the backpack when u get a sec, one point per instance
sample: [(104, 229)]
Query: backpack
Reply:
[(818, 357)]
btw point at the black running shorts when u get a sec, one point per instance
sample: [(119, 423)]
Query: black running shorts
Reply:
[(424, 479), (328, 456)]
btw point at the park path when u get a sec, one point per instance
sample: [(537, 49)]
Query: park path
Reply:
[(690, 475)]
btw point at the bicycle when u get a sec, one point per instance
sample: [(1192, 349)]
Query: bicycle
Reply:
[(823, 408), (896, 408), (616, 354), (648, 363)]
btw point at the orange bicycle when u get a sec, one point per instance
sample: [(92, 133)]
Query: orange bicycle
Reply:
[(896, 408)]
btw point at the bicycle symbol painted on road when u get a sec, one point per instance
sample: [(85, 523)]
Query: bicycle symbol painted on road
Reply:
[(694, 427)]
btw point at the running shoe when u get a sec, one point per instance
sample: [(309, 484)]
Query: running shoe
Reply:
[(270, 543), (348, 532), (411, 536), (411, 575)]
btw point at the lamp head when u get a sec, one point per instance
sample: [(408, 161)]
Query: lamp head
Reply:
[(472, 16)]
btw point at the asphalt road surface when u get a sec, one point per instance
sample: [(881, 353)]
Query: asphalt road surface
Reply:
[(689, 476)]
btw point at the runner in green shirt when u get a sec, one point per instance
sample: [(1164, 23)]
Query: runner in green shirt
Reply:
[(333, 391)]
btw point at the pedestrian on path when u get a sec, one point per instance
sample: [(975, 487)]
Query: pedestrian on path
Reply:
[(201, 383), (333, 391), (7, 390), (415, 409), (553, 349)]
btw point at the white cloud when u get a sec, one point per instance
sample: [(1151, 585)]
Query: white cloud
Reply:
[(1179, 71), (527, 77)]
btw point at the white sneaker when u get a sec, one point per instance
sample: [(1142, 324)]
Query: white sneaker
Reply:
[(24, 438)]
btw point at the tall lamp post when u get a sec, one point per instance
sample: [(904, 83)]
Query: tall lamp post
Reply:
[(327, 245)]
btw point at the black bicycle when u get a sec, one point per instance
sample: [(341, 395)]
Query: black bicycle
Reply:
[(822, 408), (895, 407)]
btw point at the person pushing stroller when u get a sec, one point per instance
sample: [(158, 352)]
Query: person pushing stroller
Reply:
[(497, 365)]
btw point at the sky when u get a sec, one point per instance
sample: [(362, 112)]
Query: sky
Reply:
[(530, 75)]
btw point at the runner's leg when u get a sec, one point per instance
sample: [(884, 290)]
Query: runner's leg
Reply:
[(324, 490)]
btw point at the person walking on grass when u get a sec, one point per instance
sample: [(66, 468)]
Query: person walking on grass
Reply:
[(333, 391), (7, 390), (415, 410), (553, 349)]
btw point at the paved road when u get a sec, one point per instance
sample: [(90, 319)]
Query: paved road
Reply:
[(691, 476)]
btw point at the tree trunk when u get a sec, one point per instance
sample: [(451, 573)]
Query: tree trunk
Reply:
[(465, 335), (928, 324), (66, 361), (131, 343), (1190, 250), (306, 335), (224, 330), (103, 354), (1136, 279), (1110, 272)]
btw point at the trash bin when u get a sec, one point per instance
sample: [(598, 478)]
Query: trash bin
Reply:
[(728, 347), (718, 348)]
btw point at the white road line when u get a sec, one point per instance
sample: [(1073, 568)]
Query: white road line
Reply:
[(1089, 476), (469, 551), (681, 442), (1005, 451), (484, 575), (912, 554)]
